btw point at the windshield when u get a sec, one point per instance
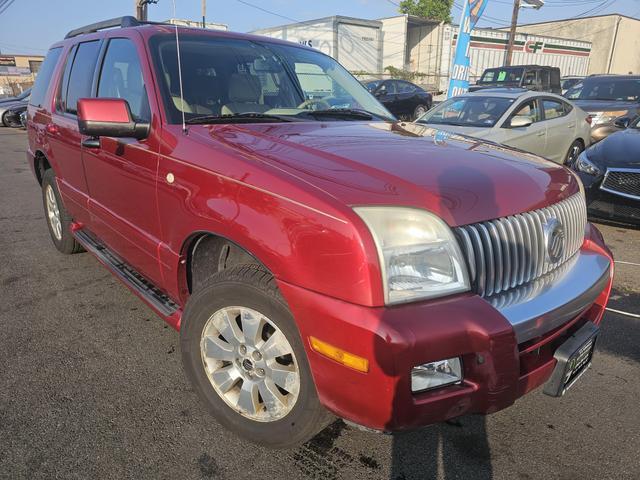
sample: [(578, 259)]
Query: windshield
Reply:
[(224, 76), (502, 75), (613, 89), (468, 111)]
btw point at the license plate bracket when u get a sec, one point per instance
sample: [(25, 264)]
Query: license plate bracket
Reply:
[(573, 359)]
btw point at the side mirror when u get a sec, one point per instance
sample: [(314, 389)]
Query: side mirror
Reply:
[(622, 122), (520, 122), (108, 117)]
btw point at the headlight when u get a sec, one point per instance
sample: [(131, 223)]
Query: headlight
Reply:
[(606, 117), (419, 256), (583, 164)]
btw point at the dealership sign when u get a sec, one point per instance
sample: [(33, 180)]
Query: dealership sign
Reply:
[(471, 12)]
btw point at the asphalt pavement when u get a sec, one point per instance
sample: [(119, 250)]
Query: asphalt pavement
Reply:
[(91, 386)]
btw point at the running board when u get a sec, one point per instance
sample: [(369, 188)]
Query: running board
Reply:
[(140, 285)]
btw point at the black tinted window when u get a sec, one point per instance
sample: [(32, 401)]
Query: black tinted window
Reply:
[(44, 77), (121, 77), (81, 76), (404, 87)]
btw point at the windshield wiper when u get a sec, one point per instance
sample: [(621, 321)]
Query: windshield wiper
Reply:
[(249, 117), (348, 113)]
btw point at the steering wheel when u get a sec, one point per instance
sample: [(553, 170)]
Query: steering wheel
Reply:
[(315, 101)]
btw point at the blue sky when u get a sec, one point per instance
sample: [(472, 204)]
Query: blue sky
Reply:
[(30, 26)]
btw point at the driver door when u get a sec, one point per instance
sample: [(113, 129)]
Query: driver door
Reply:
[(122, 173), (532, 138)]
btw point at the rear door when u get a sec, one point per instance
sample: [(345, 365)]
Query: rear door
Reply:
[(121, 174), (560, 122), (532, 138), (62, 133)]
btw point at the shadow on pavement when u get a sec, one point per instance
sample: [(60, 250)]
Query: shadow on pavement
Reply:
[(621, 334), (458, 449)]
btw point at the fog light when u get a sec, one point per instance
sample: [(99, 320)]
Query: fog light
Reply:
[(436, 374)]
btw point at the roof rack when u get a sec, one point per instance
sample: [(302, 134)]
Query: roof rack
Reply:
[(122, 22)]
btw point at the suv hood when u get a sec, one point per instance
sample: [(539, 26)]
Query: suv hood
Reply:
[(461, 179), (619, 150)]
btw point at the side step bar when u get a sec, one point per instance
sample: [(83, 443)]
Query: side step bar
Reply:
[(128, 275)]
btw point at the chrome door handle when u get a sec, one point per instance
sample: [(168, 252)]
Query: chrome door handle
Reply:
[(541, 134), (571, 126)]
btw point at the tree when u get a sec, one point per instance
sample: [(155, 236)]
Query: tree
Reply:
[(439, 10)]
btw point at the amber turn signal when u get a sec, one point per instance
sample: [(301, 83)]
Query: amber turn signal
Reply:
[(341, 356)]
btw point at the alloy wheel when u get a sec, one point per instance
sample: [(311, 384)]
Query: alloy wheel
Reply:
[(250, 363), (53, 212)]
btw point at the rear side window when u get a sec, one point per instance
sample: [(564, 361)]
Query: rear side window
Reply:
[(43, 80), (81, 76), (553, 109), (121, 77)]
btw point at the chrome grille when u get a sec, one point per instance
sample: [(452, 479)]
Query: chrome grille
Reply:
[(511, 251), (622, 181)]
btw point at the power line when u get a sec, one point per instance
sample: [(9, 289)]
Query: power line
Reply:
[(267, 11)]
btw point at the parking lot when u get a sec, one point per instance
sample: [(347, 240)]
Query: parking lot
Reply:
[(91, 386)]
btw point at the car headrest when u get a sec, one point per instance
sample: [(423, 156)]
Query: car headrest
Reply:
[(244, 88)]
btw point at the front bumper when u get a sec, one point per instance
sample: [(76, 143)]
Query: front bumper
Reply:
[(604, 205), (502, 360)]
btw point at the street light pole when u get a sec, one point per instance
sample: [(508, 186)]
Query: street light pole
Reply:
[(140, 7), (512, 32), (204, 13)]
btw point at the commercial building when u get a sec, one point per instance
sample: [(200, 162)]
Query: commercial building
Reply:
[(615, 40), (426, 47), (17, 72)]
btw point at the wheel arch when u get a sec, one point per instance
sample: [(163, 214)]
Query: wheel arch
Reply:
[(205, 253), (40, 165)]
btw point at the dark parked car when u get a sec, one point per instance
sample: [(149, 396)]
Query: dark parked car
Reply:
[(404, 99), (531, 77), (12, 117), (610, 172), (607, 98)]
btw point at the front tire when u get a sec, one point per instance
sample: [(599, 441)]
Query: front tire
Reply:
[(242, 352), (574, 152), (58, 220)]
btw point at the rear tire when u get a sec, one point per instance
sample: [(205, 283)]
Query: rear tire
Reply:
[(419, 111), (58, 220), (248, 384), (4, 120), (576, 148)]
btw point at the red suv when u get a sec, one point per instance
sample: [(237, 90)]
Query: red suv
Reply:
[(316, 255)]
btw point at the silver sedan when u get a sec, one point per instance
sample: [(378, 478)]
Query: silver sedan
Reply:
[(536, 122)]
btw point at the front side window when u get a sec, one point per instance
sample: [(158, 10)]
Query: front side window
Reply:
[(224, 76), (528, 110), (80, 77), (472, 111), (121, 77)]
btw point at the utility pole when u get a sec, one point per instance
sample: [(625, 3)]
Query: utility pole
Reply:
[(140, 9), (512, 32), (204, 13)]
